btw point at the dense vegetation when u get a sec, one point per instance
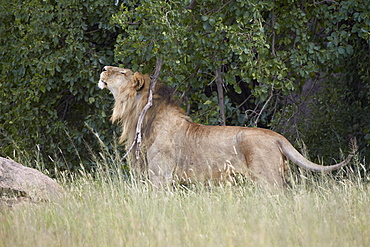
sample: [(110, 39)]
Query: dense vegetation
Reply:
[(298, 67), (51, 55)]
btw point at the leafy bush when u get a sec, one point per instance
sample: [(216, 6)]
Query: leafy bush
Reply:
[(265, 51), (51, 55), (340, 106)]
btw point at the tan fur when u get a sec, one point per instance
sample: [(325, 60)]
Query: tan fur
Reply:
[(175, 148)]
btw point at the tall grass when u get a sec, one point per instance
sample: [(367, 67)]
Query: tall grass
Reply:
[(107, 208)]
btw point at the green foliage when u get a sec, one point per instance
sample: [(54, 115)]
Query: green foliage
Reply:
[(51, 55), (266, 50), (338, 47), (194, 43), (341, 110)]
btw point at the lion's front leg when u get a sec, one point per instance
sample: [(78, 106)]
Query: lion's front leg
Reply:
[(161, 166)]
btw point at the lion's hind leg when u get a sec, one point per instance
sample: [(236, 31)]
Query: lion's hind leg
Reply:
[(267, 172)]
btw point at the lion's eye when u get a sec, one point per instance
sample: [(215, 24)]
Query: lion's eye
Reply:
[(123, 72)]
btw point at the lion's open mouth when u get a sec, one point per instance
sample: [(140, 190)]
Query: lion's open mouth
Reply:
[(102, 84)]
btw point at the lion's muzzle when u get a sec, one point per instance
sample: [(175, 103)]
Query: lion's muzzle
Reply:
[(102, 84)]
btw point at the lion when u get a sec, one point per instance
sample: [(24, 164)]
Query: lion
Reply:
[(176, 149)]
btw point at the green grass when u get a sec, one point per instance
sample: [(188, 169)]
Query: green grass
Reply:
[(108, 210)]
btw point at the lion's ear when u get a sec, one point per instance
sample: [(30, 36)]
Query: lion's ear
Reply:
[(138, 81)]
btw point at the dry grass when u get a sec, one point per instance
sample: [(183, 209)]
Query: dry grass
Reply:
[(109, 210)]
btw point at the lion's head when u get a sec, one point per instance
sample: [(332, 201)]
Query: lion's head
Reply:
[(130, 90), (118, 80)]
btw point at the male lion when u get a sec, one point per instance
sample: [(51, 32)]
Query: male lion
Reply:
[(175, 148)]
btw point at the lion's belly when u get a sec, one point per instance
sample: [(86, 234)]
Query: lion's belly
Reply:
[(203, 167)]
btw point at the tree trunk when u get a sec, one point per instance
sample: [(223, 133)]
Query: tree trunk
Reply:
[(220, 93)]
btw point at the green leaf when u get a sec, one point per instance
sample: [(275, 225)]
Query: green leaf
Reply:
[(341, 50), (349, 49), (42, 88), (204, 17)]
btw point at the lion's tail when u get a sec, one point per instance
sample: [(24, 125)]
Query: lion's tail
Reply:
[(301, 161)]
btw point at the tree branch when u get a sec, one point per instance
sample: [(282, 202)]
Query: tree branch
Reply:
[(273, 33), (192, 4), (264, 106), (138, 136), (133, 23), (328, 1)]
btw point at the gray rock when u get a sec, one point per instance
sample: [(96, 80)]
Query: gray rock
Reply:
[(27, 182)]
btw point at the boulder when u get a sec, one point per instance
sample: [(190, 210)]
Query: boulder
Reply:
[(16, 179)]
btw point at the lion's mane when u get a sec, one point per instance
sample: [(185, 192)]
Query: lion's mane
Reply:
[(131, 101)]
